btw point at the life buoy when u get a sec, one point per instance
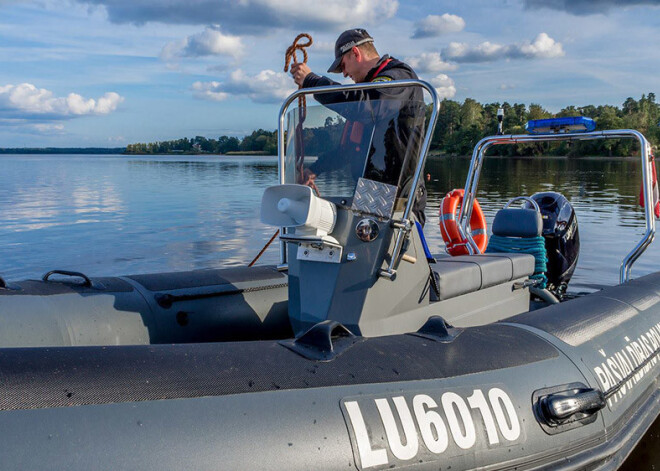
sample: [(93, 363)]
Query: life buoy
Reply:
[(457, 245)]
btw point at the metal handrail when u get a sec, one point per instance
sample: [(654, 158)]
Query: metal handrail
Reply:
[(483, 145), (523, 198), (420, 164)]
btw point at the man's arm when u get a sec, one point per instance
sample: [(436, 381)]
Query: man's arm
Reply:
[(305, 78)]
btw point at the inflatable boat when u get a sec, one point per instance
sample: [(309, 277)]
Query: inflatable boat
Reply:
[(361, 349)]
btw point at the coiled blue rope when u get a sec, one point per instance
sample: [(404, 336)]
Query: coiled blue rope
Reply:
[(530, 245)]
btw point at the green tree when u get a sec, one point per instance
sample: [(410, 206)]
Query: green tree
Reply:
[(537, 112)]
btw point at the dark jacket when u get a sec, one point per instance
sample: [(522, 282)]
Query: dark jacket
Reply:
[(395, 120)]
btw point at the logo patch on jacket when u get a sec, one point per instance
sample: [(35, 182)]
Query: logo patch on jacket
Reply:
[(382, 79)]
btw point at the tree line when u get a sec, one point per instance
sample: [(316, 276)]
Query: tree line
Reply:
[(460, 126), (260, 141)]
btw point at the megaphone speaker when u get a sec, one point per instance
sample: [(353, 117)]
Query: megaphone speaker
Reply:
[(296, 206)]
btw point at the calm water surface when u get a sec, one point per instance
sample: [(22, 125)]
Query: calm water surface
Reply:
[(118, 215)]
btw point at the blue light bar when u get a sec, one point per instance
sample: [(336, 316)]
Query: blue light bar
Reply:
[(560, 125)]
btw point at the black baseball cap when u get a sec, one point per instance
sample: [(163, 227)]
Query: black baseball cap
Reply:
[(347, 41)]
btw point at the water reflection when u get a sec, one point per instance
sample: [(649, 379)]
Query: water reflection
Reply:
[(118, 215), (114, 215)]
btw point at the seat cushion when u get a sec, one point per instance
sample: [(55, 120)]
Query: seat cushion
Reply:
[(522, 264), (457, 278), (467, 273), (494, 270)]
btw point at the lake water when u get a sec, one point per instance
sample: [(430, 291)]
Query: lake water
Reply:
[(118, 215)]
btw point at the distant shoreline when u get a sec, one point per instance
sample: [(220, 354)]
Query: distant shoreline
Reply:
[(115, 150), (231, 154), (63, 150)]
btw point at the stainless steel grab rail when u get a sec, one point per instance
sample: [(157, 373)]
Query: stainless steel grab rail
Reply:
[(478, 155), (420, 164)]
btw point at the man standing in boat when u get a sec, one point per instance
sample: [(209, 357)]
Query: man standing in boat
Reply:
[(398, 130)]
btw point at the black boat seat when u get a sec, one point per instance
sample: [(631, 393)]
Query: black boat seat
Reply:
[(513, 222), (468, 273)]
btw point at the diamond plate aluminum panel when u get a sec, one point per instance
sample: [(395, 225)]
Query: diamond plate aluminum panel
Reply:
[(374, 198)]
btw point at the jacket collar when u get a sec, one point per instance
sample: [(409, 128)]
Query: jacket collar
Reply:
[(370, 75)]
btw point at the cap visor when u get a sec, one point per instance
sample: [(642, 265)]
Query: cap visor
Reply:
[(334, 68)]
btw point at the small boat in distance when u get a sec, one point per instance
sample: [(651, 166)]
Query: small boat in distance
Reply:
[(360, 349)]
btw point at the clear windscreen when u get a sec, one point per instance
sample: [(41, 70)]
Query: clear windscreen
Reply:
[(331, 146)]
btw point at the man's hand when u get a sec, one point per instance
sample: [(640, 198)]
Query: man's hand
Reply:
[(308, 178), (299, 71)]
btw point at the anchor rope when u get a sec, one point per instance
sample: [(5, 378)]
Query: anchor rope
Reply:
[(261, 252), (532, 245), (289, 56)]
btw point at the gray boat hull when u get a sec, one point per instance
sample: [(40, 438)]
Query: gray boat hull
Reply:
[(434, 400)]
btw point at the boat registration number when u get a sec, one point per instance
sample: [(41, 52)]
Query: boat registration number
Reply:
[(401, 430)]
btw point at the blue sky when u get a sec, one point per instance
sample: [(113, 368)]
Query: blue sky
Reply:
[(112, 72)]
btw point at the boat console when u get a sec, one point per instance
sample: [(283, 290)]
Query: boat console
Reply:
[(350, 241)]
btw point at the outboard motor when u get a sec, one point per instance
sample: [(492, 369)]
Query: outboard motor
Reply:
[(562, 240)]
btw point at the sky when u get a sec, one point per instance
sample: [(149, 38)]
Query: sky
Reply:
[(107, 73)]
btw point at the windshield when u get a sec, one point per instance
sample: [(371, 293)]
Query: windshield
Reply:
[(335, 144)]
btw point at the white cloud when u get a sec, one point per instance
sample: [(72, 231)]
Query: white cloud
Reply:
[(108, 103), (252, 16), (338, 12), (543, 47), (210, 42), (32, 126), (429, 62), (444, 86), (26, 100), (437, 25), (324, 46), (209, 91), (462, 52), (48, 127), (265, 87)]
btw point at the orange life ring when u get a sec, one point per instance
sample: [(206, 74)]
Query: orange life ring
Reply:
[(456, 245)]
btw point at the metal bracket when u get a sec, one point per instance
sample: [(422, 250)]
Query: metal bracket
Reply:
[(319, 252), (528, 283), (404, 227)]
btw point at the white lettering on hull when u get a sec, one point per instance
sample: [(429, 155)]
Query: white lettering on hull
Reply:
[(618, 366), (431, 425)]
